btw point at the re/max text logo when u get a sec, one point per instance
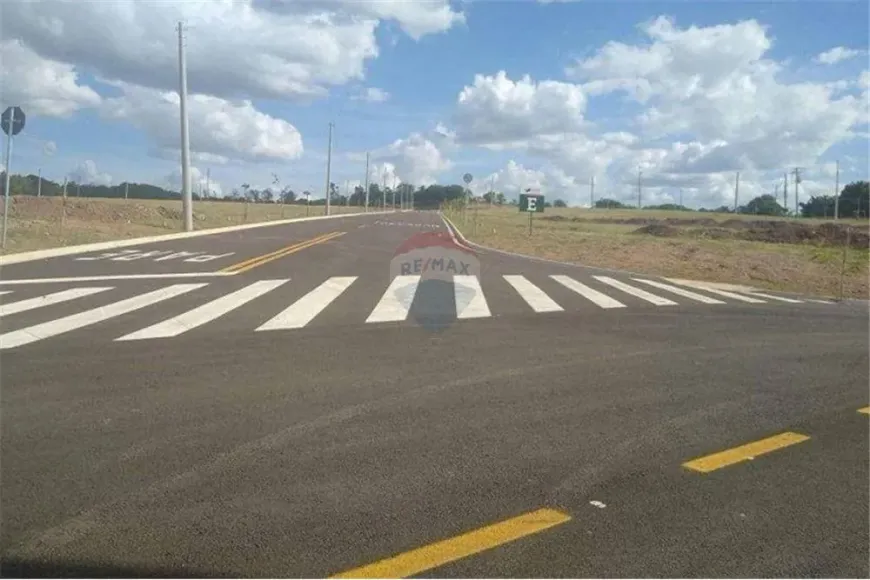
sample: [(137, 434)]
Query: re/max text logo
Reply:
[(449, 265)]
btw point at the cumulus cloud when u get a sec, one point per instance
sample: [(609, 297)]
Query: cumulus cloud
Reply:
[(714, 83), (496, 110), (235, 49), (200, 182), (218, 127), (41, 86), (372, 95), (838, 54), (414, 159), (86, 173)]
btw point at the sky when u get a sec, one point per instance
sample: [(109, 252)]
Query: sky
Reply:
[(547, 94)]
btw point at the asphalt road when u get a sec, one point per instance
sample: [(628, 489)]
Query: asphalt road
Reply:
[(334, 437)]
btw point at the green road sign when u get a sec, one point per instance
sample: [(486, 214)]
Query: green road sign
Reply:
[(531, 202)]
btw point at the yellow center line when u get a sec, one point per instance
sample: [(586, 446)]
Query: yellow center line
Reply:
[(280, 253), (745, 452), (865, 410), (458, 547)]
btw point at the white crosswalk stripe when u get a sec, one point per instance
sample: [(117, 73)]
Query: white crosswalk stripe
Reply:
[(733, 295), (470, 301), (306, 308), (629, 289), (205, 313), (591, 294), (536, 298), (395, 304), (48, 300), (680, 291), (2, 292), (780, 298), (89, 317)]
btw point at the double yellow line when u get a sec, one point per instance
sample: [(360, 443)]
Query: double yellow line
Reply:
[(260, 260)]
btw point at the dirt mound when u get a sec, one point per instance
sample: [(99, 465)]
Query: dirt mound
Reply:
[(658, 230), (714, 233)]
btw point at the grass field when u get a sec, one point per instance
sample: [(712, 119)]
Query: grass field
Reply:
[(690, 245), (49, 222)]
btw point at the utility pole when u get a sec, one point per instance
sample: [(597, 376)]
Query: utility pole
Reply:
[(837, 194), (186, 201), (785, 191), (126, 190), (639, 175), (208, 183), (367, 181), (736, 191), (681, 197), (393, 194), (39, 182), (592, 192), (797, 181), (492, 191), (329, 168), (384, 192)]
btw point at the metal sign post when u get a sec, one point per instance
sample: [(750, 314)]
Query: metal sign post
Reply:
[(12, 122), (531, 203)]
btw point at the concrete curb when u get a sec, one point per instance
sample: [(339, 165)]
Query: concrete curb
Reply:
[(97, 246)]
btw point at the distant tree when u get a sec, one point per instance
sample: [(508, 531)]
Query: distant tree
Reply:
[(764, 205), (287, 195), (610, 204), (499, 198), (560, 203), (267, 196), (668, 207), (818, 206), (855, 199)]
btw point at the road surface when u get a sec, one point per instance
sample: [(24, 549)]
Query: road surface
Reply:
[(268, 403)]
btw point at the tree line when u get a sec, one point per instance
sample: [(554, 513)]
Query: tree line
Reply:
[(425, 197), (854, 202), (854, 198)]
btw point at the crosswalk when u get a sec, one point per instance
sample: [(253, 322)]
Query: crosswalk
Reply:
[(467, 299)]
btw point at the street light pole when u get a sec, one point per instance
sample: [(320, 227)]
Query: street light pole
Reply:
[(186, 201)]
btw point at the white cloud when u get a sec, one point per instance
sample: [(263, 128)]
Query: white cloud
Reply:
[(838, 54), (248, 49), (217, 127), (41, 86), (415, 159), (417, 19), (86, 173), (496, 110), (372, 95), (200, 182)]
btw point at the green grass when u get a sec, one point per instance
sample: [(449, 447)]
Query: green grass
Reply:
[(802, 268)]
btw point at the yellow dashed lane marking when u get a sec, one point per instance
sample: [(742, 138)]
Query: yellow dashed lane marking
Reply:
[(458, 547), (745, 452)]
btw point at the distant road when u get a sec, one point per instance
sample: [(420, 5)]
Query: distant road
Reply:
[(274, 402)]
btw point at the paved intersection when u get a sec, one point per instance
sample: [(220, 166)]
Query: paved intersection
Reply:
[(295, 416)]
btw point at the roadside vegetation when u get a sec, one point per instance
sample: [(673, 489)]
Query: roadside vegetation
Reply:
[(809, 255), (758, 245)]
